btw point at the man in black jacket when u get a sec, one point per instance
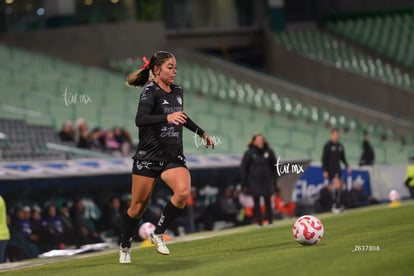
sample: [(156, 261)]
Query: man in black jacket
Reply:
[(333, 154)]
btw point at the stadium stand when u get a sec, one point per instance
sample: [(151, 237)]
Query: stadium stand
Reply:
[(390, 35), (224, 104), (46, 91), (322, 46), (26, 142), (20, 141)]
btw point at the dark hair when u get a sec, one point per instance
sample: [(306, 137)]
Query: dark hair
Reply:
[(266, 145), (335, 129), (142, 76)]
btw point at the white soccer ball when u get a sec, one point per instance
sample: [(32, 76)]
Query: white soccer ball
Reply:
[(393, 195), (307, 230), (145, 229)]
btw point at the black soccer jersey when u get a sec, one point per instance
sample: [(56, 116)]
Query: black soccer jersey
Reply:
[(158, 139)]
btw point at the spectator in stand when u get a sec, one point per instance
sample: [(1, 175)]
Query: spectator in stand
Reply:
[(38, 229), (67, 225), (4, 230), (83, 136), (98, 138), (85, 230), (21, 233), (67, 133), (199, 208), (329, 195), (125, 202), (368, 155), (54, 227), (227, 209), (87, 139), (325, 200), (113, 218), (356, 197), (110, 142), (123, 138)]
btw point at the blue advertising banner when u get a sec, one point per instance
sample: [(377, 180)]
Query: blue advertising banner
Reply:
[(312, 181)]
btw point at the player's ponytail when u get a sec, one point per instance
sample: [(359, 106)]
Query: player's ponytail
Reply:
[(139, 78), (146, 72)]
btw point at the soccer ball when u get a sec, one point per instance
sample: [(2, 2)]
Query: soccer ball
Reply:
[(307, 230), (393, 195), (145, 229)]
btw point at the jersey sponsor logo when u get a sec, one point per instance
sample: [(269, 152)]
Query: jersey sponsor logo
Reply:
[(165, 102), (168, 109), (143, 164), (169, 132), (179, 100)]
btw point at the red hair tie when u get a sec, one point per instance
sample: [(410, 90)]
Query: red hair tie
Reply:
[(146, 63)]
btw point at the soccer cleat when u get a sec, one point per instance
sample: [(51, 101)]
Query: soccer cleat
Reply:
[(158, 240), (125, 255)]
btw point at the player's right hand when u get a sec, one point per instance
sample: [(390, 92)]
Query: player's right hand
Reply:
[(325, 174), (177, 118)]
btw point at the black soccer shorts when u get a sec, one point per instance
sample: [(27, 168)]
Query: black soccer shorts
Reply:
[(154, 169)]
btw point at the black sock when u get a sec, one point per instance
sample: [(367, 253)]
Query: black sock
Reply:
[(130, 224), (168, 215)]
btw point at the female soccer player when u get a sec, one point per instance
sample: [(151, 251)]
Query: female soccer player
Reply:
[(160, 119)]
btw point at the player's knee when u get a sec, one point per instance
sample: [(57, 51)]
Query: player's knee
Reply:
[(183, 195)]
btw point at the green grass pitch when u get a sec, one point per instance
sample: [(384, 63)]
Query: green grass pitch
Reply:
[(271, 250)]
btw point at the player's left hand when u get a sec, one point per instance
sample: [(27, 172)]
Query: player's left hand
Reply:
[(349, 170), (209, 141)]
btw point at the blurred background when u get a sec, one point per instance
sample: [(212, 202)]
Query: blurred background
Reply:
[(292, 70)]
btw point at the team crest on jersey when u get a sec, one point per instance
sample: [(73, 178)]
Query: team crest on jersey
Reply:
[(180, 100)]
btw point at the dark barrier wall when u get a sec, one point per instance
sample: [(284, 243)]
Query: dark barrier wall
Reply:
[(100, 186), (298, 10), (98, 44), (346, 85), (348, 6), (93, 44)]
